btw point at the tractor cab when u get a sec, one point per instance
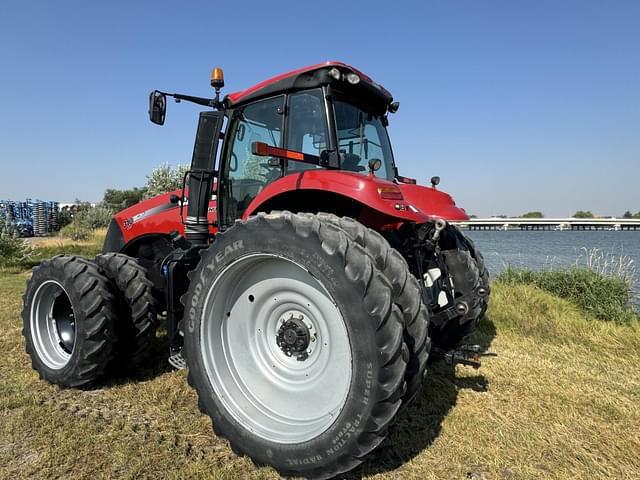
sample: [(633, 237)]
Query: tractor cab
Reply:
[(326, 116)]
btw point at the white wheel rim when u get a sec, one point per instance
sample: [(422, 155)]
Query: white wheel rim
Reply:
[(52, 325), (250, 306)]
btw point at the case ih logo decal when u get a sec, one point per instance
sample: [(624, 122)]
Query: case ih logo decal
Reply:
[(127, 223)]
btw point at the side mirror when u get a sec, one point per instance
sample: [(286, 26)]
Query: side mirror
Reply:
[(157, 107)]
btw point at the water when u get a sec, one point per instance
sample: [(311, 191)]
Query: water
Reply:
[(545, 249)]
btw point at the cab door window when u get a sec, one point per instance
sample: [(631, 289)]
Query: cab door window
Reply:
[(248, 173), (306, 127)]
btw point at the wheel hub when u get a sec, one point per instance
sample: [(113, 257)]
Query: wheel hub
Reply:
[(65, 330), (294, 337)]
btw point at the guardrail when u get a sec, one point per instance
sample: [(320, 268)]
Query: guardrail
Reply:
[(493, 223)]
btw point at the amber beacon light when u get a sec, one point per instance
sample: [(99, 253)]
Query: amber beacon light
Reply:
[(217, 78)]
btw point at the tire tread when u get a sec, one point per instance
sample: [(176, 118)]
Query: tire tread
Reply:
[(138, 323)]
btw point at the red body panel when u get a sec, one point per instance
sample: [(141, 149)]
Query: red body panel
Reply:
[(239, 96), (433, 202), (155, 216), (420, 204)]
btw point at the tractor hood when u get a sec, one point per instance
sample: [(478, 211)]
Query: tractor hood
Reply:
[(433, 202)]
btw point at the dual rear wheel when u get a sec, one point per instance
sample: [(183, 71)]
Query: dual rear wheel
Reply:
[(83, 319)]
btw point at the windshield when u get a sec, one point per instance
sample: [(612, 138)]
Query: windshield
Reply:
[(362, 137)]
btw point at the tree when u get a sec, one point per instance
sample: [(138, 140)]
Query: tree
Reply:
[(117, 200), (164, 179), (535, 214), (583, 214), (627, 214)]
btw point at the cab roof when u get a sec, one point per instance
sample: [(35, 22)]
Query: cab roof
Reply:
[(311, 77)]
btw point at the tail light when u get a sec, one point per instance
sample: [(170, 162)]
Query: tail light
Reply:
[(390, 193)]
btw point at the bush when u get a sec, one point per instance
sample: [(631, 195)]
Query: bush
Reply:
[(75, 231), (599, 296), (94, 217), (86, 219), (164, 179), (64, 218), (117, 200), (13, 250)]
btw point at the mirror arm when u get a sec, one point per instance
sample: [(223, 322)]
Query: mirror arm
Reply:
[(207, 102)]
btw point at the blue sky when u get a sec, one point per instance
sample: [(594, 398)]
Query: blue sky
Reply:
[(517, 105)]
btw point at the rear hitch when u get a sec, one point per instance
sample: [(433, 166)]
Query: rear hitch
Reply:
[(468, 355)]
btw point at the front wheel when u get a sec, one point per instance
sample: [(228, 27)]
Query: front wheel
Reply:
[(294, 344), (459, 307)]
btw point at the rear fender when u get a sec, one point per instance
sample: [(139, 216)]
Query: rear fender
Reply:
[(339, 192)]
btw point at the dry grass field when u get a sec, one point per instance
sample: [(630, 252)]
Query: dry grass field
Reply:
[(561, 401)]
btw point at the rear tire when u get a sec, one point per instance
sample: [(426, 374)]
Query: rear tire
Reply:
[(266, 396), (137, 324), (406, 294), (150, 253), (68, 321)]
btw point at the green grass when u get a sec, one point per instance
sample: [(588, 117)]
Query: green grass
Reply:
[(46, 247), (600, 296), (559, 402)]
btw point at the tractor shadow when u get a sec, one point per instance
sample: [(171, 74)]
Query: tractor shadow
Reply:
[(154, 366), (419, 425)]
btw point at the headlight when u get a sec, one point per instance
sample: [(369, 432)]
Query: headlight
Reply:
[(335, 73), (353, 79)]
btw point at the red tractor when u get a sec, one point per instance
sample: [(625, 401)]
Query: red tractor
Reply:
[(302, 277)]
